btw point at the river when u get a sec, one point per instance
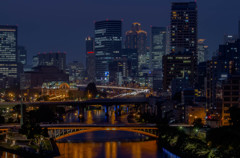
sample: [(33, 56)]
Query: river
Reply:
[(106, 144)]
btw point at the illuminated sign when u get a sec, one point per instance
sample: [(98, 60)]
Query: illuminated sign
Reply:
[(90, 52), (107, 73)]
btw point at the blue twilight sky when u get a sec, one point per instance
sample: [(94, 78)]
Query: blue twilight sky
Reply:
[(52, 25)]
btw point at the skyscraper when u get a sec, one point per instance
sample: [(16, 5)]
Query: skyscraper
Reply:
[(158, 49), (57, 59), (177, 66), (229, 38), (107, 45), (136, 38), (131, 55), (183, 43), (9, 69), (22, 55), (226, 63), (184, 27), (158, 46), (90, 59), (168, 40), (203, 54), (76, 72)]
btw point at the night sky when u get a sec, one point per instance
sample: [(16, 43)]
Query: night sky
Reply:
[(52, 25)]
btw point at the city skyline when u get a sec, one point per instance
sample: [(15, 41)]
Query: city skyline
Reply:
[(162, 74), (51, 20)]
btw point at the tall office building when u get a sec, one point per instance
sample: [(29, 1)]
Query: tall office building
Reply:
[(225, 64), (57, 59), (229, 38), (9, 68), (76, 72), (203, 53), (22, 55), (168, 40), (184, 27), (131, 55), (158, 46), (90, 59), (107, 45), (183, 43), (177, 66), (158, 50), (136, 38)]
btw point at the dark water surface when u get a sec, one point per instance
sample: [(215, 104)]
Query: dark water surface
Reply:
[(110, 144), (105, 144)]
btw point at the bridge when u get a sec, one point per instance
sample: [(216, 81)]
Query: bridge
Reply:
[(107, 102), (117, 87), (60, 131)]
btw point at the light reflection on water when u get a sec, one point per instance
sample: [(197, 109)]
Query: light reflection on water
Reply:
[(105, 144), (109, 144), (147, 149)]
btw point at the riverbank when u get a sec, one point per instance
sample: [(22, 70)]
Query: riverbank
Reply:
[(220, 142), (30, 150), (179, 143)]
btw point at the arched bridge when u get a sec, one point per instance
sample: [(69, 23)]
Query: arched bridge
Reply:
[(60, 131)]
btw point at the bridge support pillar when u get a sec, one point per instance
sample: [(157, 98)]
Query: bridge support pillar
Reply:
[(119, 110), (106, 111), (81, 113)]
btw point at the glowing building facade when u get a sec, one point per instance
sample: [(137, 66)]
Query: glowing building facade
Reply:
[(107, 46), (158, 50), (136, 38), (9, 68), (203, 53), (183, 58), (184, 27), (22, 55)]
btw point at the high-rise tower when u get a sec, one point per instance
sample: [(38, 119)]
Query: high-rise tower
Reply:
[(158, 46), (57, 59), (158, 50), (22, 55), (184, 27), (90, 59), (9, 69), (136, 38), (184, 44), (107, 46)]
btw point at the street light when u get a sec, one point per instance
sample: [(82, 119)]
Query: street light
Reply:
[(89, 95)]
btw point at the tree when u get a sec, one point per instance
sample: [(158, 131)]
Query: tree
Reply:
[(43, 114), (10, 120), (2, 119), (45, 132), (226, 140), (91, 90), (235, 116), (198, 123), (30, 129), (17, 108)]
